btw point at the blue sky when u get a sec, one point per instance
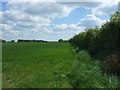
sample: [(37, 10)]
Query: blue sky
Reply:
[(4, 6), (74, 17), (51, 21)]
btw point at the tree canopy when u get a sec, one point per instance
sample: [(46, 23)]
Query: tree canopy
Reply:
[(100, 41)]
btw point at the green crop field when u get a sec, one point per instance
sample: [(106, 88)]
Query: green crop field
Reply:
[(36, 65)]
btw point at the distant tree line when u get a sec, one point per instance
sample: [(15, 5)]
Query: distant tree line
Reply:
[(21, 40), (61, 40), (100, 42), (7, 41), (2, 40)]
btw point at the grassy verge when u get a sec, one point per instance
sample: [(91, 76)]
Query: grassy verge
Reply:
[(87, 74), (37, 65), (0, 65)]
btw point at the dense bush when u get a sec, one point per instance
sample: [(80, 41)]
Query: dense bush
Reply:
[(87, 74), (100, 42), (112, 64)]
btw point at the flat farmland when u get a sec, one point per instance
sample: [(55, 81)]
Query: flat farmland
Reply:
[(36, 65)]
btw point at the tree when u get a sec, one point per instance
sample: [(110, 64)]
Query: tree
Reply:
[(102, 41), (60, 40), (12, 41)]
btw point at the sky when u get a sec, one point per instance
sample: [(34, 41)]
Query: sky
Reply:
[(52, 21)]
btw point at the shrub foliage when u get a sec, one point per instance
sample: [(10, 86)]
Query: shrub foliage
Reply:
[(102, 41)]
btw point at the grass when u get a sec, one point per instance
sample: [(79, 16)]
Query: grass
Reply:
[(87, 74), (0, 65), (52, 65), (36, 65)]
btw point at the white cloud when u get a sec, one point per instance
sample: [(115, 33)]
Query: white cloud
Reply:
[(64, 31), (91, 21), (31, 19), (7, 30), (14, 16), (60, 27), (99, 7), (89, 5), (57, 0), (106, 7), (49, 10), (27, 20), (15, 32), (1, 17), (65, 28)]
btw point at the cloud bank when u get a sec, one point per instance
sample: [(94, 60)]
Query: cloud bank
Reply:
[(33, 20)]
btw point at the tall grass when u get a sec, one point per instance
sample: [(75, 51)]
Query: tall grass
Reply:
[(87, 74), (0, 65)]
